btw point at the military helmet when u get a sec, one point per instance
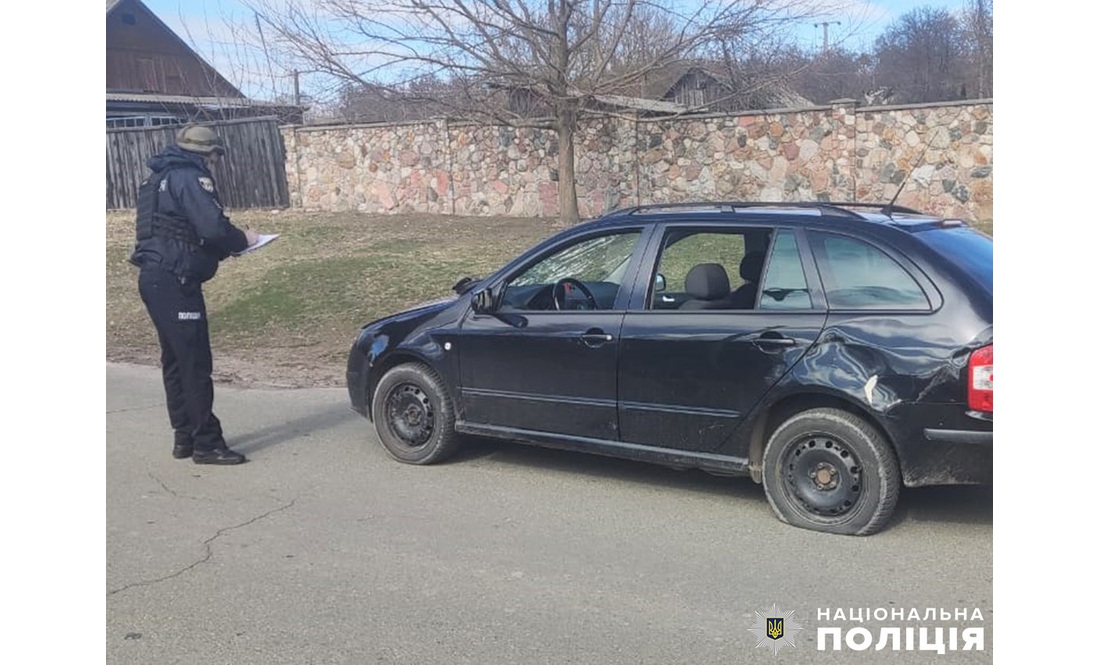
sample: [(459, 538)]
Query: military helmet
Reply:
[(203, 140)]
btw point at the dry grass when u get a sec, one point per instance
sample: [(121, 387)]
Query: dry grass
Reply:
[(287, 315)]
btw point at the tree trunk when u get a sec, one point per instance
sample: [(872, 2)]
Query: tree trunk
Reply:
[(567, 177)]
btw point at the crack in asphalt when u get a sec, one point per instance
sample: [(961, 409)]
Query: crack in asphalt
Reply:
[(176, 494), (133, 408), (209, 550), (161, 483)]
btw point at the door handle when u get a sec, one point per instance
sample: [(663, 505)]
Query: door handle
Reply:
[(773, 341), (594, 338)]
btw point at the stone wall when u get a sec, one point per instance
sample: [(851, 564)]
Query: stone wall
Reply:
[(840, 152)]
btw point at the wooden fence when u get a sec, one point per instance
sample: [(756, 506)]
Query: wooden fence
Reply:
[(251, 175)]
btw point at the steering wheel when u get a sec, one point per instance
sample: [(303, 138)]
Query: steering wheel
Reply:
[(560, 287)]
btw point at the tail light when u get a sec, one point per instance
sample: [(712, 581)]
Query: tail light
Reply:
[(980, 387)]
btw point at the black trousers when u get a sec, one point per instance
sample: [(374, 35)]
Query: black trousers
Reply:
[(178, 312)]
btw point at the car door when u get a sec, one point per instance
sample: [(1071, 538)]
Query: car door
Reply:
[(543, 359), (688, 376)]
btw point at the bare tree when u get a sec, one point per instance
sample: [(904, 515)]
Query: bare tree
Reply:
[(366, 102), (978, 26), (650, 34), (922, 56), (838, 74), (760, 72), (558, 56)]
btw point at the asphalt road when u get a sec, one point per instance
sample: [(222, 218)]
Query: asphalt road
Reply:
[(323, 550)]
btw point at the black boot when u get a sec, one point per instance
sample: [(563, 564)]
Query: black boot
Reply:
[(218, 456), (183, 447)]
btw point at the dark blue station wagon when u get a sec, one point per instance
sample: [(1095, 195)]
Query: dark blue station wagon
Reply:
[(833, 352)]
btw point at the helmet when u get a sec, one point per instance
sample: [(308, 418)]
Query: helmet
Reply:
[(203, 140)]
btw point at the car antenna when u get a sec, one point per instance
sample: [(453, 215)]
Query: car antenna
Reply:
[(889, 209)]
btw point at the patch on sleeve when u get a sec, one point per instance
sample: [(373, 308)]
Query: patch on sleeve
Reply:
[(207, 184)]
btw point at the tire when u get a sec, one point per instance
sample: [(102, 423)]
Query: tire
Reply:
[(829, 470), (414, 415)]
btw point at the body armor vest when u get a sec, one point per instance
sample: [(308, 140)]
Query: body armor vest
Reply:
[(151, 222)]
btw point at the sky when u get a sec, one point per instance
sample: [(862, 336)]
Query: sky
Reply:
[(206, 26)]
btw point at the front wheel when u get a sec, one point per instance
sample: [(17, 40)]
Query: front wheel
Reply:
[(414, 415), (829, 470)]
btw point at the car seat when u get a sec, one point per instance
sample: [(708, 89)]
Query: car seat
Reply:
[(751, 267), (708, 286)]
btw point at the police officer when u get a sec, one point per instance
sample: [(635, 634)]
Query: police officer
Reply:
[(182, 235)]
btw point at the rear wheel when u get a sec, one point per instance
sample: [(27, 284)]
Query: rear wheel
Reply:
[(829, 470), (414, 415)]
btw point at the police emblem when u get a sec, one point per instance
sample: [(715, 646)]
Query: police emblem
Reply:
[(775, 629), (207, 184)]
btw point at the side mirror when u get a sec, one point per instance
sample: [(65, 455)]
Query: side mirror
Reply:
[(659, 283), (465, 284), (483, 301)]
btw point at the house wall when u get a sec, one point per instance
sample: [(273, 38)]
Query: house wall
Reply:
[(698, 89), (839, 153), (147, 57)]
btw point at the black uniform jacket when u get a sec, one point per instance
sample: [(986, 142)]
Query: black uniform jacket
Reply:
[(189, 194)]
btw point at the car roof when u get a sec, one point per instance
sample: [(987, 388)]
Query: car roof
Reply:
[(810, 212)]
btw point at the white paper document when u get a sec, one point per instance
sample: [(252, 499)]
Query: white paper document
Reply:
[(263, 240)]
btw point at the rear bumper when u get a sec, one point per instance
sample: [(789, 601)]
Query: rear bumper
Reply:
[(942, 444), (948, 463), (950, 457)]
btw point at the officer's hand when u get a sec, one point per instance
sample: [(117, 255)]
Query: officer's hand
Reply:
[(252, 236)]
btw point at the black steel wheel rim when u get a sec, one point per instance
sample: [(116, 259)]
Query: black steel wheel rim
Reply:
[(410, 415), (823, 475)]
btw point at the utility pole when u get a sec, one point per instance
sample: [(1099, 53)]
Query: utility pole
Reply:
[(297, 94), (825, 25)]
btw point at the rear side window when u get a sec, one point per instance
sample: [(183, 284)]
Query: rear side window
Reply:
[(858, 275)]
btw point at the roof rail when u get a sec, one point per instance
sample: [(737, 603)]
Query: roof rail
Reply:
[(656, 207), (881, 207), (826, 208)]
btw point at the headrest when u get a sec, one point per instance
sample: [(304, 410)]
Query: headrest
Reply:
[(707, 281), (751, 266)]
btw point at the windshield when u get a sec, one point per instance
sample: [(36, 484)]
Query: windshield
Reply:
[(967, 248)]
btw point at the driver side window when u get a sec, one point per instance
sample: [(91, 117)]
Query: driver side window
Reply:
[(585, 275)]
